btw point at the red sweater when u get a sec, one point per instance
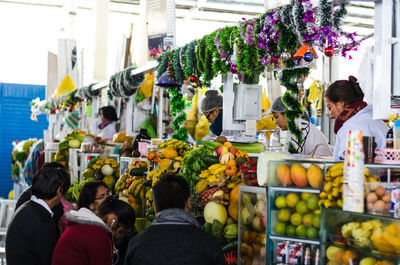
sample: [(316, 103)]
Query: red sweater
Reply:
[(83, 244)]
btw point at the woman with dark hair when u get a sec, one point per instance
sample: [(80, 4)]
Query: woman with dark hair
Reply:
[(109, 118), (120, 217), (345, 102), (92, 195), (87, 239)]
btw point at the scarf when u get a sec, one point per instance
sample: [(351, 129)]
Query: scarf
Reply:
[(216, 125), (104, 124), (347, 113), (175, 216)]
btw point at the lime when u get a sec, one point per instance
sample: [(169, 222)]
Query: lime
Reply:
[(301, 207), (312, 232), (312, 202), (305, 195), (301, 231), (307, 219), (295, 219), (292, 199), (280, 228), (316, 220), (280, 202), (290, 230), (284, 215)]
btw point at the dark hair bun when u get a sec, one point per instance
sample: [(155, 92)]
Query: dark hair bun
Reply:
[(353, 79)]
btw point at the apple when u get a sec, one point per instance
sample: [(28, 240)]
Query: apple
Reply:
[(222, 150), (228, 144), (233, 150)]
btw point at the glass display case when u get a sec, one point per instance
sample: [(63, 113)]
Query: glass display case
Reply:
[(355, 238), (252, 221), (299, 233), (294, 211)]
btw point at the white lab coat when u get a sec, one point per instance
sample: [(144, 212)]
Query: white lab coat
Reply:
[(108, 131), (361, 121), (312, 137)]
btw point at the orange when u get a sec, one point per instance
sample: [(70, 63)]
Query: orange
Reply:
[(339, 256), (347, 256), (231, 163)]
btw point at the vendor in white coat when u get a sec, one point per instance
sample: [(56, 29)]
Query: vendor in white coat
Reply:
[(107, 127), (344, 100), (312, 135)]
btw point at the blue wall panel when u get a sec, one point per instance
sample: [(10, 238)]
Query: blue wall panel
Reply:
[(15, 124)]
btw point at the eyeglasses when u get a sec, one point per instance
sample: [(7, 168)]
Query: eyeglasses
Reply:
[(208, 114), (103, 196)]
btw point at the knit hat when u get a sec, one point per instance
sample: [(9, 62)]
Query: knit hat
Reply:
[(277, 106), (73, 120), (212, 100)]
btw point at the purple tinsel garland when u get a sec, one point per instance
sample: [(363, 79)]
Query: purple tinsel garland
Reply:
[(269, 34)]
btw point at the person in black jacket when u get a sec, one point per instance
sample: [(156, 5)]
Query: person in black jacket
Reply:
[(175, 238), (32, 233)]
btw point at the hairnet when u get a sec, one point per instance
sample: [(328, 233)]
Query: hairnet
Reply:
[(211, 101), (277, 106)]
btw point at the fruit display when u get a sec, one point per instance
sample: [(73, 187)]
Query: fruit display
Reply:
[(298, 215), (253, 228), (297, 175), (249, 172), (332, 194), (106, 170), (73, 140), (340, 256), (130, 186), (379, 197), (19, 156)]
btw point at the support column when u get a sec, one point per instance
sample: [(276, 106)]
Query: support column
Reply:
[(101, 39)]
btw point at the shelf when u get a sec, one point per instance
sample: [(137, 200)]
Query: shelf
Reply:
[(295, 239), (365, 216), (363, 252), (294, 189)]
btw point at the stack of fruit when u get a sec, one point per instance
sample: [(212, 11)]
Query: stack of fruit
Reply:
[(299, 216), (130, 187), (339, 256), (299, 176), (169, 154), (384, 238), (378, 198), (106, 170), (253, 235), (332, 194), (249, 172), (73, 140)]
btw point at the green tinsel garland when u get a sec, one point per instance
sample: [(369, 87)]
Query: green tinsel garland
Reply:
[(163, 65), (177, 103), (200, 55), (177, 67), (338, 15), (190, 59), (301, 27), (290, 79), (247, 60), (325, 13), (287, 15)]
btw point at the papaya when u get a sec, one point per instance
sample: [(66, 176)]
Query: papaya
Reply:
[(140, 171), (210, 160), (164, 163)]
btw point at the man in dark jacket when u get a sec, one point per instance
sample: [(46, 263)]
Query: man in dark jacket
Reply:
[(32, 233), (175, 238)]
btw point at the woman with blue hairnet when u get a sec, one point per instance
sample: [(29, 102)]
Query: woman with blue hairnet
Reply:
[(211, 106), (312, 135)]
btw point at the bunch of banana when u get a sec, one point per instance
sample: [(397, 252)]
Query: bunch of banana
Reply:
[(149, 198), (332, 194), (156, 174), (178, 145), (136, 188), (213, 173), (121, 183)]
